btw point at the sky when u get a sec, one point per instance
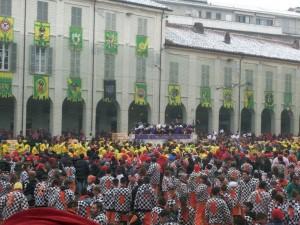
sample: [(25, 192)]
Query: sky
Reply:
[(281, 5)]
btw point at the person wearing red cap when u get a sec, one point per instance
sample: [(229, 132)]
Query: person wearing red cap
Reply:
[(277, 217)]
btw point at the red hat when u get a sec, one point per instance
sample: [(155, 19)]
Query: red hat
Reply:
[(277, 214)]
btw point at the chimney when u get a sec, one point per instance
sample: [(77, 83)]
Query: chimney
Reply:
[(198, 28), (296, 44), (227, 38)]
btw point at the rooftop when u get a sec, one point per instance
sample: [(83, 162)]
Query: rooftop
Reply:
[(147, 3), (213, 40)]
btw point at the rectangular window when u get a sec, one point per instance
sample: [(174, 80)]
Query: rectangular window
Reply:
[(264, 21), (205, 76), (110, 21), (76, 17), (174, 71), (199, 14), (41, 60), (140, 69), (109, 67), (269, 22), (208, 15), (269, 81), (288, 83), (42, 11), (75, 64), (243, 19), (228, 77), (249, 78), (142, 26), (4, 56), (218, 16), (5, 8)]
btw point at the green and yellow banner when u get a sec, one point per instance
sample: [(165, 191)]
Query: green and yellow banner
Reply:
[(111, 42), (142, 44), (6, 29), (76, 38), (174, 94), (287, 100), (74, 90), (249, 99), (140, 97), (227, 101), (40, 87), (205, 100), (41, 34), (5, 85), (269, 100)]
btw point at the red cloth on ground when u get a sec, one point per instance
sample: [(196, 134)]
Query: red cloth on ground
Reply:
[(47, 216)]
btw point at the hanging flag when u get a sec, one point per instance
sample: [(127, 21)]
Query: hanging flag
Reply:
[(5, 85), (6, 29), (227, 95), (111, 42), (142, 44), (248, 99), (140, 97), (174, 94), (287, 99), (74, 89), (109, 90), (41, 87), (205, 100), (76, 37), (41, 34), (269, 100)]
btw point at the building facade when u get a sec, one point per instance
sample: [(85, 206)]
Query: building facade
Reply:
[(102, 66)]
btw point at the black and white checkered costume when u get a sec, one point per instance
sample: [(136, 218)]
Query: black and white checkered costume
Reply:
[(186, 216), (245, 189), (40, 194), (123, 198), (155, 215), (293, 211), (273, 205), (106, 184), (109, 200), (4, 187), (154, 173), (70, 171), (83, 205), (145, 199), (261, 201), (12, 203), (53, 198), (202, 193), (101, 219), (217, 212)]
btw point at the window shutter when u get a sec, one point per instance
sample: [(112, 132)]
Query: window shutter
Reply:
[(78, 63), (145, 27), (113, 21), (140, 27), (42, 11), (174, 69), (32, 59), (72, 64), (13, 57), (49, 60), (5, 7)]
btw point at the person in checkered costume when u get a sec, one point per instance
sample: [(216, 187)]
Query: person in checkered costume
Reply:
[(97, 214), (216, 210), (202, 197), (53, 195), (154, 173), (13, 202), (293, 210), (4, 184), (186, 214), (260, 199), (123, 198), (156, 211), (145, 201), (106, 182), (109, 201), (40, 194)]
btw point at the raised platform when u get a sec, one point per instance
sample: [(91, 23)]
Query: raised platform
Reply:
[(163, 138)]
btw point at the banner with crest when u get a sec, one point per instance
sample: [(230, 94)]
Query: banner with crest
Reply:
[(249, 99), (5, 85), (174, 95), (40, 87), (140, 97), (111, 42), (76, 38), (74, 89), (41, 34), (227, 98), (6, 29), (142, 44), (205, 99), (269, 100)]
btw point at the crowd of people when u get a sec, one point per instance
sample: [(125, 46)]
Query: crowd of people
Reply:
[(160, 129), (219, 181)]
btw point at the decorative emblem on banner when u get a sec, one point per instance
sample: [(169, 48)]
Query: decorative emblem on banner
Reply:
[(227, 102), (205, 100), (41, 87), (248, 99), (287, 99), (109, 90), (174, 94), (5, 85), (76, 37), (142, 44), (269, 100), (74, 90), (6, 29), (111, 42), (140, 97), (41, 34)]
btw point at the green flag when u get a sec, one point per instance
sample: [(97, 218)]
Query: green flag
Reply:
[(76, 37), (174, 94), (205, 100), (111, 42), (227, 102), (41, 87), (269, 100), (140, 97), (248, 99), (41, 34), (5, 85), (74, 90), (142, 44), (287, 99)]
